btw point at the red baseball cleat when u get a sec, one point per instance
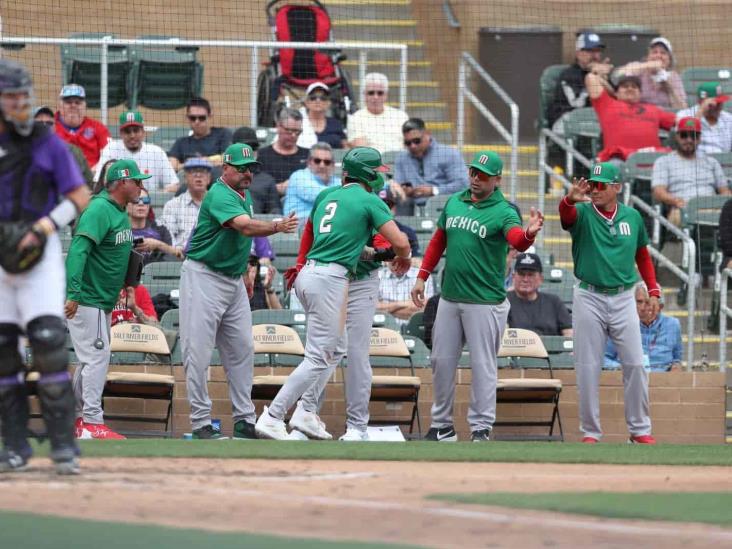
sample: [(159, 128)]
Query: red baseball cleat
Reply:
[(78, 428), (589, 440), (101, 431), (641, 439)]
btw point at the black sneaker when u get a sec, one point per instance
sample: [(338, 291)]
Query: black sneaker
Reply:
[(446, 434), (12, 460), (207, 432), (244, 431), (481, 435)]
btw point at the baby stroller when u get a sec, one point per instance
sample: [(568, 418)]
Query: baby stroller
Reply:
[(290, 71)]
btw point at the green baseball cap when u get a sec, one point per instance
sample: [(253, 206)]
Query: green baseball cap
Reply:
[(711, 89), (239, 154), (130, 118), (125, 169), (605, 172), (487, 162)]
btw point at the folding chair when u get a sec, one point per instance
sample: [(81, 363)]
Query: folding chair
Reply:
[(280, 345), (525, 343)]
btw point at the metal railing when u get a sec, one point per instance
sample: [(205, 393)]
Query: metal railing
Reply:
[(105, 42), (724, 312), (467, 62), (688, 257)]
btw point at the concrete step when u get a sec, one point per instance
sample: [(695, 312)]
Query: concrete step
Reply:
[(402, 31), (416, 70), (374, 9), (415, 52)]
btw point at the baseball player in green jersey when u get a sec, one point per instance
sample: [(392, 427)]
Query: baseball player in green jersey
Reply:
[(608, 240), (96, 266), (343, 219), (214, 296), (475, 229)]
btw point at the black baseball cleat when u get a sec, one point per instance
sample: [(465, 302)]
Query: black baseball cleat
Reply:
[(15, 460), (446, 434), (244, 431), (481, 435)]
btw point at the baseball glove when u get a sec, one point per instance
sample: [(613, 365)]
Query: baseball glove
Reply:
[(12, 259)]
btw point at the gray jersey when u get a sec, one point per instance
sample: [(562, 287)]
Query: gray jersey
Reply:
[(688, 178)]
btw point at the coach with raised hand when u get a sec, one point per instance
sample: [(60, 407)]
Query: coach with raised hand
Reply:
[(214, 296)]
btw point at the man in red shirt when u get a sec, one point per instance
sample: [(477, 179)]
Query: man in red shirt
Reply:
[(627, 124), (73, 126)]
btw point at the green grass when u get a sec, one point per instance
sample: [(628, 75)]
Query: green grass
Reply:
[(43, 532), (512, 452), (708, 507)]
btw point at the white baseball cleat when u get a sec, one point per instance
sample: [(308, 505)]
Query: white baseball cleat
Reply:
[(309, 423), (354, 435), (297, 435), (270, 427)]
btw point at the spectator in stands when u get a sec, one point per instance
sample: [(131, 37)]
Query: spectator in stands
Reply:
[(262, 250), (627, 124), (725, 234), (44, 115), (265, 198), (150, 239), (75, 127), (284, 156), (395, 292), (317, 127), (204, 139), (150, 158), (540, 312), (570, 92), (660, 84), (427, 168), (305, 184), (660, 337), (261, 277), (685, 173), (134, 305), (378, 125), (428, 318), (180, 214), (388, 197), (100, 180), (716, 123)]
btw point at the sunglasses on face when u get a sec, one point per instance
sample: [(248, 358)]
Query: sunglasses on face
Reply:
[(318, 97), (137, 182), (475, 172), (376, 92), (324, 161), (143, 200), (292, 131), (47, 123), (410, 142), (197, 118), (597, 185), (688, 135), (243, 169), (132, 129)]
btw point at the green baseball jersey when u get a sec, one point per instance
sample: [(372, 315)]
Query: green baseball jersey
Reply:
[(604, 250), (475, 263), (364, 268), (343, 220), (97, 261), (222, 249)]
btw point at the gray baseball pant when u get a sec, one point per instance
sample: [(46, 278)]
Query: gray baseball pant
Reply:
[(323, 291), (481, 326), (88, 325), (363, 296), (214, 311), (596, 316)]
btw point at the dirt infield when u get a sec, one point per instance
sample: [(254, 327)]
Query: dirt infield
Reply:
[(368, 501)]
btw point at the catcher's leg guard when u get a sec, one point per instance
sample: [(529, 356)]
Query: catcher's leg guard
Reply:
[(47, 336), (13, 402)]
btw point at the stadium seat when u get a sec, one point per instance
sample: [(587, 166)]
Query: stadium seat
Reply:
[(82, 65), (547, 85), (563, 289), (415, 326), (434, 206), (701, 218), (278, 345), (725, 160), (583, 123), (165, 136), (527, 344), (285, 317), (561, 351), (385, 320), (693, 76), (161, 277), (638, 170)]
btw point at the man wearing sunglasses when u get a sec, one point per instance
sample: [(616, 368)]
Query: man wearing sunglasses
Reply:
[(203, 140), (284, 156), (305, 185), (214, 296), (716, 122), (150, 158), (378, 125), (426, 168), (96, 266), (608, 241), (686, 173)]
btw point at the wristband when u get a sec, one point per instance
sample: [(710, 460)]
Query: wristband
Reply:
[(44, 225), (64, 213)]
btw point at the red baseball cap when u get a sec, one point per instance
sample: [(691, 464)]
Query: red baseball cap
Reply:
[(689, 124)]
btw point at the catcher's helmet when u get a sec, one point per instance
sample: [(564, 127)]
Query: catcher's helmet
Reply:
[(361, 164), (14, 78)]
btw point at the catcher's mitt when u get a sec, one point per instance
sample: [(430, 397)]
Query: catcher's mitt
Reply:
[(16, 261)]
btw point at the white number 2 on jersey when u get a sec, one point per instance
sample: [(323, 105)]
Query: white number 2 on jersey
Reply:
[(330, 210)]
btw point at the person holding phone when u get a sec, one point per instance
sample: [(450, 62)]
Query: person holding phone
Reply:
[(153, 241)]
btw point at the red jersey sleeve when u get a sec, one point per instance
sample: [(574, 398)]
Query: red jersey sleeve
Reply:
[(647, 272), (517, 238), (432, 255), (667, 120), (567, 213), (306, 242)]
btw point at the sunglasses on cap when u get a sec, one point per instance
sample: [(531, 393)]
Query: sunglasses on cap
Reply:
[(689, 135), (375, 92), (197, 118), (410, 142), (323, 161), (143, 200)]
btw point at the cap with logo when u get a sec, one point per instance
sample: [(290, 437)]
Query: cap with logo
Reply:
[(711, 89), (588, 41), (72, 90), (125, 169), (528, 262), (487, 162), (197, 162), (317, 86), (689, 124), (239, 154), (605, 172), (130, 118)]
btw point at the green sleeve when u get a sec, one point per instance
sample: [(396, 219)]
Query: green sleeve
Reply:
[(580, 207), (225, 207), (378, 211), (511, 220), (93, 224), (75, 263)]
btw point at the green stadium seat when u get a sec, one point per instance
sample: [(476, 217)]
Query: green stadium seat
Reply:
[(638, 170), (704, 210), (547, 86), (693, 76), (165, 136), (725, 160), (161, 277), (563, 290), (434, 206), (415, 326), (583, 123)]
